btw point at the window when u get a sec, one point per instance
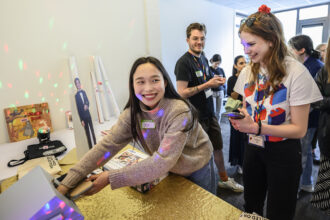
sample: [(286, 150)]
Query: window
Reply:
[(289, 22), (238, 48), (313, 12), (314, 32)]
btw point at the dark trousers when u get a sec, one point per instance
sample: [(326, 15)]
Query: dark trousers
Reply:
[(89, 129), (273, 171), (236, 147)]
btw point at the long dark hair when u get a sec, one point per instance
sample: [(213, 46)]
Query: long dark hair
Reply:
[(235, 63), (170, 92), (303, 41)]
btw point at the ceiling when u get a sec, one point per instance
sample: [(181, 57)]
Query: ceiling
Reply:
[(250, 6)]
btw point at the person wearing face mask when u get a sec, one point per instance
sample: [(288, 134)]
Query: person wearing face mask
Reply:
[(218, 92), (302, 46), (237, 138), (277, 91)]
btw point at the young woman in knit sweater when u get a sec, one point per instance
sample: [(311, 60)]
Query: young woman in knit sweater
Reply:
[(173, 137)]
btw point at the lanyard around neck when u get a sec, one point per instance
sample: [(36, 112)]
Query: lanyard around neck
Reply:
[(199, 66), (263, 99)]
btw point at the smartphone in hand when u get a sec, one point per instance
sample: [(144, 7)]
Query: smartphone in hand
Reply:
[(233, 115)]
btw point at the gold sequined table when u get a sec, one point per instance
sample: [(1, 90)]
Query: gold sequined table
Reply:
[(173, 198)]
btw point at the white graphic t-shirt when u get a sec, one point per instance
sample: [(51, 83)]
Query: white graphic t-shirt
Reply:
[(297, 88)]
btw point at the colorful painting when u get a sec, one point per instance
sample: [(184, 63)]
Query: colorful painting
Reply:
[(23, 122)]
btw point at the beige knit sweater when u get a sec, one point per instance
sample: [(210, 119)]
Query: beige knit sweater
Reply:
[(170, 149)]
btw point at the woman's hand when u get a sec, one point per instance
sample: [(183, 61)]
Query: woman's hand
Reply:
[(63, 189), (245, 125), (99, 182)]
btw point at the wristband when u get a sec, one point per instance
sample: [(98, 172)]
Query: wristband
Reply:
[(259, 129), (197, 89)]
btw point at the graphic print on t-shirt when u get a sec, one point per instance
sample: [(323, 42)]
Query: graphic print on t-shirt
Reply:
[(279, 96), (277, 115)]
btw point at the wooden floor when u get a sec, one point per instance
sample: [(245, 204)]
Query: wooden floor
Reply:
[(304, 210)]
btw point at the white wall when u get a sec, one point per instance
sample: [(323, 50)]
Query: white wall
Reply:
[(176, 15), (43, 34)]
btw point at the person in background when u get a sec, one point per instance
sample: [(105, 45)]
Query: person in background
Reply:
[(302, 46), (194, 82), (322, 48), (321, 194), (167, 127), (218, 93), (237, 138), (277, 91), (84, 114)]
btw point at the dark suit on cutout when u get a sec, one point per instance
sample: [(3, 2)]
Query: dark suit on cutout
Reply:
[(85, 116)]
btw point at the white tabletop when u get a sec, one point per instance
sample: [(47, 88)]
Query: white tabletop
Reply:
[(15, 150)]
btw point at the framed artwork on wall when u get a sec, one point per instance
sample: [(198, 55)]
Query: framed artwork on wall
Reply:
[(23, 122)]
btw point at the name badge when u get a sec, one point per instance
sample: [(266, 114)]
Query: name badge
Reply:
[(256, 140), (199, 73), (208, 93), (148, 124)]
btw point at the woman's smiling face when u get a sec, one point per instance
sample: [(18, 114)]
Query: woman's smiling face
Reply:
[(149, 84), (255, 47)]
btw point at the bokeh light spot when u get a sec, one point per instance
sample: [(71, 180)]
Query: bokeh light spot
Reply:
[(51, 23), (43, 99), (56, 85), (5, 48), (10, 85), (20, 64), (64, 46), (26, 94), (41, 80), (0, 84), (70, 85)]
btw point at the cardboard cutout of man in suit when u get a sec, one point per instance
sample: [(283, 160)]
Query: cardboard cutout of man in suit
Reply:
[(84, 114)]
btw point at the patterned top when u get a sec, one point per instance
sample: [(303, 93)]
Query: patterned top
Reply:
[(297, 88)]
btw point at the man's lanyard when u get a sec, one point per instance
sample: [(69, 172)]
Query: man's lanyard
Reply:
[(263, 100), (199, 66)]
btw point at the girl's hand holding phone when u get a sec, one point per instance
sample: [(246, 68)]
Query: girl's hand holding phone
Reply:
[(246, 124)]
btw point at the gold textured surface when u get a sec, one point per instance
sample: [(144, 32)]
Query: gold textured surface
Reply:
[(173, 198), (5, 184)]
